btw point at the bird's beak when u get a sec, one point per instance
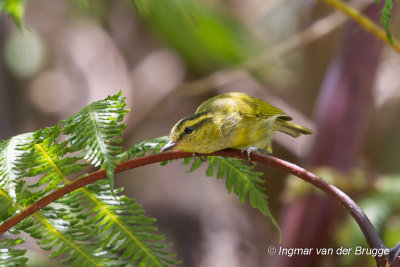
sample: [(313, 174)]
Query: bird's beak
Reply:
[(169, 145)]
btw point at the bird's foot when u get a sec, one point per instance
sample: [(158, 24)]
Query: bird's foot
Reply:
[(251, 149), (202, 158)]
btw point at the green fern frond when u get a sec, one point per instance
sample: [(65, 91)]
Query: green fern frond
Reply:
[(15, 158), (117, 225), (49, 160), (65, 235), (122, 226), (8, 207), (95, 130), (240, 179), (87, 239), (139, 150), (88, 226), (12, 257), (54, 226), (55, 230), (386, 18)]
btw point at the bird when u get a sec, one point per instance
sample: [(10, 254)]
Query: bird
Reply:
[(232, 120)]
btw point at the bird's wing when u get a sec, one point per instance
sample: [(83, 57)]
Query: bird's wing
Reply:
[(247, 106), (265, 110)]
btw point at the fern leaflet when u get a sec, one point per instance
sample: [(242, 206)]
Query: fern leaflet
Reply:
[(53, 226), (95, 130), (386, 18), (123, 226), (12, 257), (8, 206), (90, 225), (50, 160), (66, 236), (15, 158), (140, 149)]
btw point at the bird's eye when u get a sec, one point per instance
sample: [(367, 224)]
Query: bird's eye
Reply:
[(188, 130)]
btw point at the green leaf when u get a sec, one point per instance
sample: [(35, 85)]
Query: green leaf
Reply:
[(95, 130), (50, 160), (89, 226), (196, 164), (7, 206), (15, 159), (206, 37), (119, 225), (65, 236), (386, 18), (139, 150), (53, 226), (186, 161), (12, 257), (15, 8)]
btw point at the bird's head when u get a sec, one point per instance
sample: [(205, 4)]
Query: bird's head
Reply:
[(195, 133)]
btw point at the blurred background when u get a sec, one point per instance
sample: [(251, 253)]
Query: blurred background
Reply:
[(169, 56)]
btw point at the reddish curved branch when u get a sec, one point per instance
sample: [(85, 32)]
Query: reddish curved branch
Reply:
[(372, 237)]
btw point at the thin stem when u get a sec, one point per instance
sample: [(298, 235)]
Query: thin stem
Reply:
[(365, 224), (364, 22)]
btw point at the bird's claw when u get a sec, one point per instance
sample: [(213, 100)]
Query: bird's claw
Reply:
[(250, 150), (202, 158)]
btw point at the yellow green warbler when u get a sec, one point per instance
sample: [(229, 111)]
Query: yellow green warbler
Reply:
[(232, 120)]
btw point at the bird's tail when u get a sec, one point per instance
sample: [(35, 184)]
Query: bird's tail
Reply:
[(293, 129)]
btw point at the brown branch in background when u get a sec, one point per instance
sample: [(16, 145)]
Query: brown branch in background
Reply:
[(366, 226)]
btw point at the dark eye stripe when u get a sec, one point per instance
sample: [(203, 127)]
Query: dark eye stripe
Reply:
[(195, 126), (191, 118)]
